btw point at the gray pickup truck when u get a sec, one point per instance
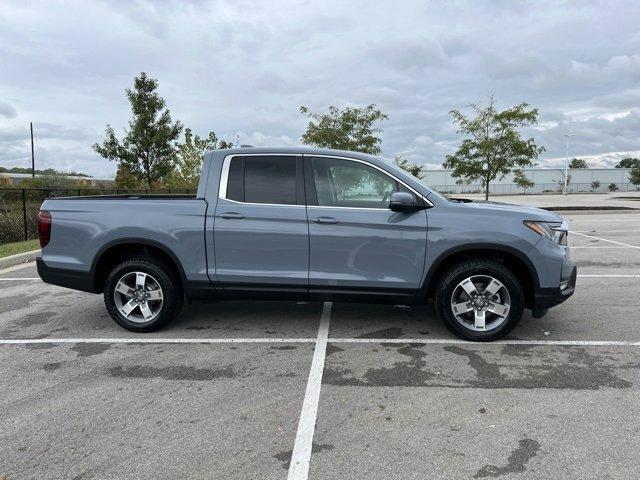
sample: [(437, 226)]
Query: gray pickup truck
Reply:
[(308, 224)]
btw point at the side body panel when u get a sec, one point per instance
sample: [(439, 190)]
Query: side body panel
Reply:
[(81, 229), (268, 247), (455, 227), (370, 249)]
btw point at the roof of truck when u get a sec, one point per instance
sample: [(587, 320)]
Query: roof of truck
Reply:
[(293, 150)]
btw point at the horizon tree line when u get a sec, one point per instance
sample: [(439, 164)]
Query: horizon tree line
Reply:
[(151, 153)]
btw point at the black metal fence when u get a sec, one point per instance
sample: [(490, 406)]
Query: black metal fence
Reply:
[(19, 207)]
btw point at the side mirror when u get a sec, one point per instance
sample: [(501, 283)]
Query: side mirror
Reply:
[(403, 202)]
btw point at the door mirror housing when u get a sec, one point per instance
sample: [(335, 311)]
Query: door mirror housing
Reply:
[(403, 202)]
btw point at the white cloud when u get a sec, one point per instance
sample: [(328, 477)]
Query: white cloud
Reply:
[(246, 66)]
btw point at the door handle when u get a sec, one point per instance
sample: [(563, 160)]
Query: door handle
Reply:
[(232, 216), (326, 220)]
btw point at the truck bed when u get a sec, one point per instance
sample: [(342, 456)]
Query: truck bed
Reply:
[(176, 196)]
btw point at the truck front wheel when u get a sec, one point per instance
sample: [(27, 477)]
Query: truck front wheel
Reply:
[(479, 300), (142, 294)]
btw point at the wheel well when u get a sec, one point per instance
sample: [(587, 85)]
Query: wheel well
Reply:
[(124, 251), (520, 269)]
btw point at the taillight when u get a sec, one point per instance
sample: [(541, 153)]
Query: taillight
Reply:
[(44, 227)]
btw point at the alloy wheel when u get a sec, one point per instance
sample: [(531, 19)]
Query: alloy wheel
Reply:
[(480, 303), (138, 297)]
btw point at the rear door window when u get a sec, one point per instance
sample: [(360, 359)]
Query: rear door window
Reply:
[(262, 179)]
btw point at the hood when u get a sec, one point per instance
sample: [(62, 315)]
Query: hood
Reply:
[(527, 213)]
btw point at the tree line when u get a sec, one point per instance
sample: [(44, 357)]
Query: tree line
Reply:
[(153, 153)]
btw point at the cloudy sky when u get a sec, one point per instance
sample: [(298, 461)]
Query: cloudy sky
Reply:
[(243, 68)]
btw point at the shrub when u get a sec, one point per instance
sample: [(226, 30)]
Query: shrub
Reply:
[(613, 187), (595, 185)]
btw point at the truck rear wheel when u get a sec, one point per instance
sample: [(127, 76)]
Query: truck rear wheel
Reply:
[(142, 295), (479, 300)]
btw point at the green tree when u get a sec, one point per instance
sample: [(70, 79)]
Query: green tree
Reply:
[(492, 146), (628, 162), (578, 163), (414, 169), (125, 178), (352, 129), (147, 148), (634, 175), (521, 180), (189, 158)]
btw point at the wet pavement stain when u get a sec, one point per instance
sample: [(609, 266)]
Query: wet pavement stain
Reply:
[(409, 373), (285, 456), (50, 367), (331, 349), (516, 463), (25, 301), (284, 347), (172, 372), (514, 367), (33, 319), (40, 346), (580, 370), (393, 332), (90, 349)]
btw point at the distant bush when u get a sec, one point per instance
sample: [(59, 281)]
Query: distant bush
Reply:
[(613, 187), (595, 185)]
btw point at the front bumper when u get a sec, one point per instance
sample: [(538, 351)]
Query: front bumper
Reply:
[(545, 298)]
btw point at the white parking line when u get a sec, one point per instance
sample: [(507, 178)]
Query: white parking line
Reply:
[(613, 275), (573, 247), (428, 341), (604, 239), (301, 456), (577, 220), (635, 230), (453, 341), (164, 341)]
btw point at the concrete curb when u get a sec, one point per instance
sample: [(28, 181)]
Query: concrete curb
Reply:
[(19, 258), (587, 208)]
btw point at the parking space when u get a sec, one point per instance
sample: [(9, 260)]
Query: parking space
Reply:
[(416, 411), (94, 410), (234, 389)]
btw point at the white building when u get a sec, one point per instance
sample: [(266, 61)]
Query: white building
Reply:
[(545, 179)]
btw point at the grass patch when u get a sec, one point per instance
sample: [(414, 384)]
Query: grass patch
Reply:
[(18, 247)]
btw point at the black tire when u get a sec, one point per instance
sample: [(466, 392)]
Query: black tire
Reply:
[(469, 268), (166, 278)]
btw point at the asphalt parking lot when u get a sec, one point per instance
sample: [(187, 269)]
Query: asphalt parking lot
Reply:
[(327, 391)]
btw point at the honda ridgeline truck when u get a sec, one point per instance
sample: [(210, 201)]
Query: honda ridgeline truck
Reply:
[(308, 224)]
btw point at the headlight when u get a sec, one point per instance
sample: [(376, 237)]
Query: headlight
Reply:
[(550, 230)]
